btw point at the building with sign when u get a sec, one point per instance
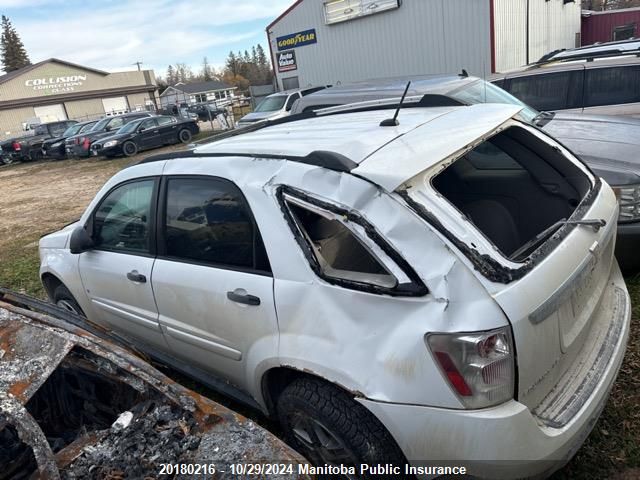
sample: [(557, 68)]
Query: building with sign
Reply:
[(318, 42), (196, 92), (57, 90)]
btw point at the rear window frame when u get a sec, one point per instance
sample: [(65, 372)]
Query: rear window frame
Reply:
[(414, 288)]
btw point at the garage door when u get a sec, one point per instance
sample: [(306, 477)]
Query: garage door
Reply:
[(50, 113), (115, 105)]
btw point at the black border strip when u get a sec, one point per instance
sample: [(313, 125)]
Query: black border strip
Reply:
[(414, 289)]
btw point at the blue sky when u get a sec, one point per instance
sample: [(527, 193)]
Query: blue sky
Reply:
[(112, 34)]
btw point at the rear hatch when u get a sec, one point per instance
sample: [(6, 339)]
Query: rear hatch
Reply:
[(539, 230)]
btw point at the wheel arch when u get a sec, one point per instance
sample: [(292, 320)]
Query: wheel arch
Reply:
[(50, 283)]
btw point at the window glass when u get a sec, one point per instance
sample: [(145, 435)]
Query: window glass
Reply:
[(147, 124), (123, 219), (624, 32), (208, 220), (487, 156), (338, 251), (612, 86), (543, 91), (58, 129), (166, 120), (116, 123), (291, 100)]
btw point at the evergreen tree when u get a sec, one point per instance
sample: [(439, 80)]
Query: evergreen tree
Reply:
[(171, 75), (232, 65), (207, 73), (14, 55)]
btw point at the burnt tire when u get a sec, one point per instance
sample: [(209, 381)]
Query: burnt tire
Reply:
[(129, 149), (184, 135), (63, 298), (328, 426)]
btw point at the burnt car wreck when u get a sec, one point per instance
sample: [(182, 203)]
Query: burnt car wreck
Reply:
[(74, 405)]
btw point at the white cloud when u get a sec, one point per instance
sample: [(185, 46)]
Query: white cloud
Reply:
[(114, 34)]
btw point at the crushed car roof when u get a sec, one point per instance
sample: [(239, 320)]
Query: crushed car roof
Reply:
[(388, 156)]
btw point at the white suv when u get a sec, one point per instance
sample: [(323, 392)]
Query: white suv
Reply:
[(441, 290)]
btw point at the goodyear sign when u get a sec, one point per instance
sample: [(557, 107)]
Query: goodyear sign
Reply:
[(293, 40)]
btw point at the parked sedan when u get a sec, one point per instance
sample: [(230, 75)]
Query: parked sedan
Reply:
[(608, 144), (145, 134), (79, 145), (437, 289), (54, 148)]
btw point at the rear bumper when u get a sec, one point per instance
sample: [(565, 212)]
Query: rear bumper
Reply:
[(509, 440), (628, 247)]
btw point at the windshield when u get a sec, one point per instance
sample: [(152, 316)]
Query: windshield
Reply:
[(40, 130), (129, 127), (271, 104), (485, 92), (101, 124), (72, 130), (87, 128)]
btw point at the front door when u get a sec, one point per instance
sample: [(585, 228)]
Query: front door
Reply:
[(149, 136), (116, 274), (212, 279)]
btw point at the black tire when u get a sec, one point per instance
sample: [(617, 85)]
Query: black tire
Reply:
[(35, 155), (184, 135), (329, 427), (62, 297), (129, 149)]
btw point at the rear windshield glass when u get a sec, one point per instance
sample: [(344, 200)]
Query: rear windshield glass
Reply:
[(515, 188)]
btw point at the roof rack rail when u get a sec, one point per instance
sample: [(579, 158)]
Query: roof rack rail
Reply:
[(319, 158), (589, 57)]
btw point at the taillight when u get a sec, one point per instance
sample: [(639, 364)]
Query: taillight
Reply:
[(16, 146), (479, 366), (78, 140), (86, 143)]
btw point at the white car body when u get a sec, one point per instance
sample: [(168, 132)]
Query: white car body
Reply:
[(374, 345)]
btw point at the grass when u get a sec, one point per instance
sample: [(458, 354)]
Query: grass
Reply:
[(611, 451)]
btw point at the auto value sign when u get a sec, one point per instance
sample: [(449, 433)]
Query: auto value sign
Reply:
[(286, 61), (293, 40)]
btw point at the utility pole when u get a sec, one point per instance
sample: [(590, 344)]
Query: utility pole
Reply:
[(138, 64)]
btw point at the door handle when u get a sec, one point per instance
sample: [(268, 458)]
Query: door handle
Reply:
[(239, 297), (134, 276)]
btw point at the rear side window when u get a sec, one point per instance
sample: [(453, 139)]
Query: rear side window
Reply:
[(207, 220), (166, 120), (612, 86), (341, 251), (549, 91)]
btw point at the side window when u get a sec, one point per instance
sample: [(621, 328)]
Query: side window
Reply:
[(612, 86), (116, 123), (148, 124), (208, 220), (291, 100), (341, 251), (166, 120), (57, 130), (122, 220), (549, 91)]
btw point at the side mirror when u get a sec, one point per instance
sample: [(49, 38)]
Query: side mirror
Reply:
[(141, 129), (80, 241)]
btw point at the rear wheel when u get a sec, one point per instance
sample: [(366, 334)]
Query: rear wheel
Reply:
[(129, 149), (330, 428), (184, 135), (63, 298)]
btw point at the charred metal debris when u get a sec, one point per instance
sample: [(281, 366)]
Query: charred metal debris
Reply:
[(73, 405)]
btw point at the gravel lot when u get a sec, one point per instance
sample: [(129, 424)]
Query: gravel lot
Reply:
[(37, 198)]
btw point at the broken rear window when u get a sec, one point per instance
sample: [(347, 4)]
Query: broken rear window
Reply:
[(341, 250), (515, 188)]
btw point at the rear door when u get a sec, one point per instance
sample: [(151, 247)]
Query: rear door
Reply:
[(116, 274), (212, 278)]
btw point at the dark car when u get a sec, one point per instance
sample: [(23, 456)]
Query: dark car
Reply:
[(206, 111), (29, 147), (79, 145), (145, 134), (607, 144), (54, 148)]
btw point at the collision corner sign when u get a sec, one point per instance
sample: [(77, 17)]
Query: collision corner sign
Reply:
[(299, 39), (61, 84)]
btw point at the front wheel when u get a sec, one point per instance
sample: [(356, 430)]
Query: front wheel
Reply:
[(330, 428), (129, 149), (184, 136), (63, 298)]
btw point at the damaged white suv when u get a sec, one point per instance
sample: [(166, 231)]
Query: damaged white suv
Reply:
[(436, 291)]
